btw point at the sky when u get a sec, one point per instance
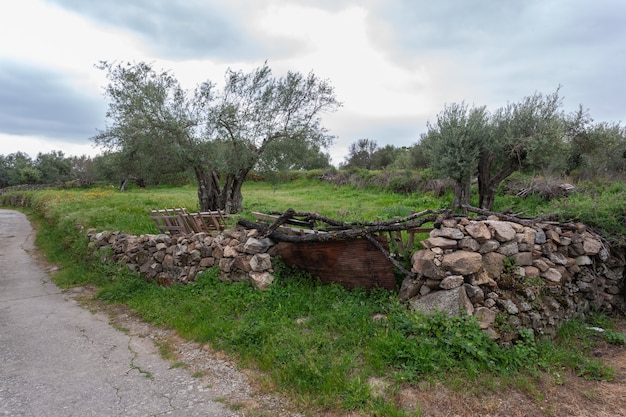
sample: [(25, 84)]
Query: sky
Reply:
[(394, 64)]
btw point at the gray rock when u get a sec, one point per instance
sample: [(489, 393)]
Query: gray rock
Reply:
[(508, 248), (447, 232), (485, 317), (261, 262), (540, 238), (254, 245), (451, 282), (502, 231), (453, 302), (489, 246), (462, 262), (478, 231)]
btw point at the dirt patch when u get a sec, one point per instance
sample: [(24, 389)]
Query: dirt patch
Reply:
[(249, 391)]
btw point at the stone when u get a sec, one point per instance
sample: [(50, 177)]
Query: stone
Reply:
[(482, 278), (230, 252), (540, 237), (584, 260), (553, 235), (410, 288), (462, 262), (493, 264), (261, 262), (528, 236), (558, 258), (451, 282), (531, 272), (254, 245), (453, 302), (509, 306), (469, 244), (478, 231), (433, 284), (439, 242), (502, 231), (424, 264), (523, 258), (475, 293), (508, 248), (552, 275), (261, 280), (485, 317), (541, 265), (225, 264), (207, 262), (591, 246), (447, 233), (489, 246), (241, 263)]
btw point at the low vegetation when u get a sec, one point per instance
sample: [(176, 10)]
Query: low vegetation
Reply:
[(321, 344)]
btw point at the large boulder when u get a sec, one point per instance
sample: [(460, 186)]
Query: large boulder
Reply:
[(454, 302), (462, 262)]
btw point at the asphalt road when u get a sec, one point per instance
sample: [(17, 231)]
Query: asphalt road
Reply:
[(58, 359)]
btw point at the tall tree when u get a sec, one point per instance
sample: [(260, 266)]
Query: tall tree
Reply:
[(524, 134), (220, 135), (453, 144)]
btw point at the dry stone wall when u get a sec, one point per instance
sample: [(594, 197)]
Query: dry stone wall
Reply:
[(508, 275), (512, 277), (165, 259)]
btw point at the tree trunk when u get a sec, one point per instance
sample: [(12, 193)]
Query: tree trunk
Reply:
[(212, 196), (461, 194), (488, 183), (209, 189)]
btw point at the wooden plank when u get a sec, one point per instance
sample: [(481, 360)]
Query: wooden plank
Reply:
[(351, 263)]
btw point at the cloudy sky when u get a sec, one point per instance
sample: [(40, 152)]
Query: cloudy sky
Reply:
[(394, 63)]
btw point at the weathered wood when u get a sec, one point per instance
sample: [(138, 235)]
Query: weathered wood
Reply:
[(179, 221), (526, 221), (385, 251), (351, 263), (342, 234)]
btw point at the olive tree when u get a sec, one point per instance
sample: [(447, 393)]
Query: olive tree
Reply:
[(594, 149), (524, 134), (453, 145), (468, 142), (220, 135)]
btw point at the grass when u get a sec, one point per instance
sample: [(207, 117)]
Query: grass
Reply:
[(319, 343)]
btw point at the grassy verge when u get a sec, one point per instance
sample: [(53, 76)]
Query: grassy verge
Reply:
[(328, 348)]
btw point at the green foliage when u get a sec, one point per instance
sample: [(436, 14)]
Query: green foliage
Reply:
[(257, 120), (600, 204), (615, 338)]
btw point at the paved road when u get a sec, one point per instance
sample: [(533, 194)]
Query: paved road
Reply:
[(58, 359)]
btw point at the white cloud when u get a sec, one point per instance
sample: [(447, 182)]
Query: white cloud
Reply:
[(394, 63), (32, 145)]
